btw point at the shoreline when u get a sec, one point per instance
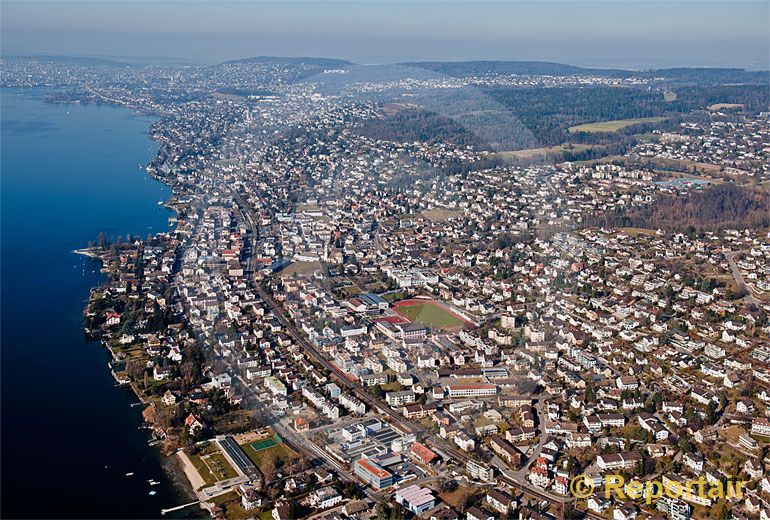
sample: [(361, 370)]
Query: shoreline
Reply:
[(172, 464), (86, 251)]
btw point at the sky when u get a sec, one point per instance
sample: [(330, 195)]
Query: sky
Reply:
[(605, 33)]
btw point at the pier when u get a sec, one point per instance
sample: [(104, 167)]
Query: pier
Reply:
[(177, 508)]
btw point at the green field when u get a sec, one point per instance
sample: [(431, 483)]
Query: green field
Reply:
[(218, 466), (431, 315), (530, 153), (612, 126), (256, 455), (211, 465)]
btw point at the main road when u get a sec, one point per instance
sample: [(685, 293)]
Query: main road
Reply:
[(739, 281)]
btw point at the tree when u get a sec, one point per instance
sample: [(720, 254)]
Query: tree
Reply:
[(381, 510), (269, 466), (711, 413), (135, 368), (463, 497), (396, 512)]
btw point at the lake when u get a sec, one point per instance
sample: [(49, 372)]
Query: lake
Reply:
[(69, 435)]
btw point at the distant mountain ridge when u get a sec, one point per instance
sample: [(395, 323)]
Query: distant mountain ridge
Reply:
[(80, 60), (699, 74), (319, 62), (706, 75), (511, 67)]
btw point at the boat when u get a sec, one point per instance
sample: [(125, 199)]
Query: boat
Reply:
[(130, 474), (151, 493)]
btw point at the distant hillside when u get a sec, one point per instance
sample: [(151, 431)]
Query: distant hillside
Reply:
[(318, 62), (470, 68), (411, 125), (707, 75), (697, 75), (72, 60)]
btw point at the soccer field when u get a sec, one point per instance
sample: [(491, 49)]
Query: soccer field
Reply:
[(430, 314)]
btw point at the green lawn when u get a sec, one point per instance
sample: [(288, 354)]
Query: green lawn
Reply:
[(202, 469), (431, 315), (280, 451), (612, 126), (211, 465), (218, 466)]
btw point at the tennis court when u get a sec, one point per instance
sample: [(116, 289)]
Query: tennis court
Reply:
[(263, 444)]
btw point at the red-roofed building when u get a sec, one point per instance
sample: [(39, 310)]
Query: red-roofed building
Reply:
[(193, 423), (372, 473), (422, 453)]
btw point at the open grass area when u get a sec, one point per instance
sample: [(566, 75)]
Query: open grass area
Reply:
[(457, 497), (440, 214), (281, 452), (612, 126), (202, 469), (211, 464), (731, 433), (725, 106), (218, 466), (634, 231), (530, 153), (352, 290), (300, 268), (431, 315)]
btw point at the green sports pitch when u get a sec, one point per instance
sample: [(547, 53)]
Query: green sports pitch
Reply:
[(263, 444), (430, 314)]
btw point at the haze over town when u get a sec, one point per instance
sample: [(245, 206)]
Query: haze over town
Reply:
[(403, 260)]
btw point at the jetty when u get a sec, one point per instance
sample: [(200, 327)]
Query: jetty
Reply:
[(177, 508)]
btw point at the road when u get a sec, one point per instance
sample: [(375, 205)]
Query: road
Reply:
[(742, 286)]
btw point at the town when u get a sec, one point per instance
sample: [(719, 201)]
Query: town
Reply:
[(339, 325)]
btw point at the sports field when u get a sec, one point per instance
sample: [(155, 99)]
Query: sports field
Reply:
[(263, 444), (612, 126), (430, 314), (270, 447)]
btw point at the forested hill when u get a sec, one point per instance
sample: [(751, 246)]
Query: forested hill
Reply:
[(717, 207)]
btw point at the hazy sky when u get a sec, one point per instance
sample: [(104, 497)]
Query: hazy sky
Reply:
[(632, 33)]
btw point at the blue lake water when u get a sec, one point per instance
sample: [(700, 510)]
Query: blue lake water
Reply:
[(69, 436)]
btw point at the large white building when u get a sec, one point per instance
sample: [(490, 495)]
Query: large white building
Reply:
[(471, 390)]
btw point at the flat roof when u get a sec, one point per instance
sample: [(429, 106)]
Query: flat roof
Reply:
[(373, 468)]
